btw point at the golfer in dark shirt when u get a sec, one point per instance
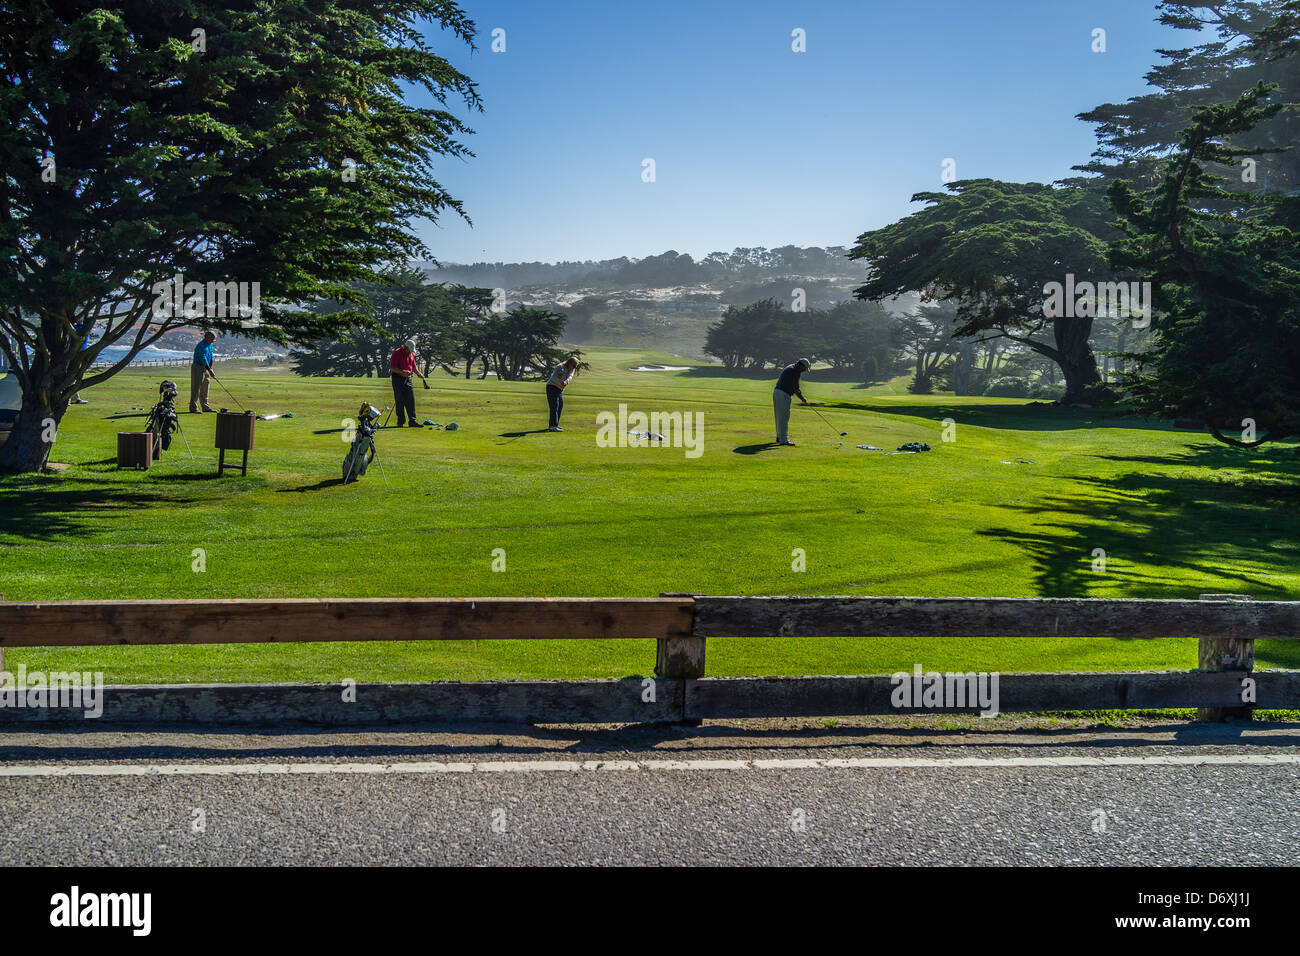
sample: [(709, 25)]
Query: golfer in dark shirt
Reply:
[(787, 386)]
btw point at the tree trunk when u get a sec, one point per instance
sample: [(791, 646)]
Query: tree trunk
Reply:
[(27, 450), (1080, 375), (962, 370), (1075, 357)]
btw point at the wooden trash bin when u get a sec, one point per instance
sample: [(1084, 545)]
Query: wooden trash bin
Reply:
[(234, 432), (134, 449)]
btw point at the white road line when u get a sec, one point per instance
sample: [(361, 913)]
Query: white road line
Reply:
[(625, 766)]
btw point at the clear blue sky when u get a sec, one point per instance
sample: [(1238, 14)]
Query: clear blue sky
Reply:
[(756, 145)]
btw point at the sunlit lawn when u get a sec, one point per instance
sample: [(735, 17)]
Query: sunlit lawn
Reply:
[(1015, 506)]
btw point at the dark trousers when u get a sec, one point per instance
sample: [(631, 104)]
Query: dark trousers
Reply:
[(403, 399), (555, 399)]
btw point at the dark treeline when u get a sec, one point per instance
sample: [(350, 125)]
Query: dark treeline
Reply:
[(872, 344), (855, 336), (455, 328)]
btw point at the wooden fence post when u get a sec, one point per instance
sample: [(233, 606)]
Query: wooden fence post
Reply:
[(1226, 654), (679, 657)]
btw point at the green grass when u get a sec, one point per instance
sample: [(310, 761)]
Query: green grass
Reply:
[(1176, 513)]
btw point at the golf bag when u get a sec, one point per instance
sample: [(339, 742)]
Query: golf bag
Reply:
[(162, 418), (362, 451)]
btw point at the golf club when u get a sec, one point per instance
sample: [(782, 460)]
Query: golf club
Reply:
[(227, 391), (825, 419)]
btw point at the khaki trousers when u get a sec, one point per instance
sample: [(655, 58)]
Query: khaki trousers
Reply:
[(199, 388)]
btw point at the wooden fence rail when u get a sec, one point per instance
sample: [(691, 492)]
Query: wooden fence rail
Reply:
[(993, 617), (1224, 684), (97, 623)]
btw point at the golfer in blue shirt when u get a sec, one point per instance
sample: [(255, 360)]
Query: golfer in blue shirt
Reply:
[(200, 372)]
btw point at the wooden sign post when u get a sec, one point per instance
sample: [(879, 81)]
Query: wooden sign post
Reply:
[(135, 449), (234, 432)]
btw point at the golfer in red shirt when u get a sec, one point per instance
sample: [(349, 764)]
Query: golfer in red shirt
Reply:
[(402, 367)]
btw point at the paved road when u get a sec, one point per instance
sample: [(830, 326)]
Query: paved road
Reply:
[(716, 795)]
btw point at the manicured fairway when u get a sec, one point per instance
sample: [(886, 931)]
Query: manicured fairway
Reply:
[(1176, 514)]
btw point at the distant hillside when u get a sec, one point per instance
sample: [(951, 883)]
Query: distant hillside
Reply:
[(669, 300), (668, 269)]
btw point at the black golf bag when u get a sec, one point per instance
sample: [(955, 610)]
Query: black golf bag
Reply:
[(162, 418)]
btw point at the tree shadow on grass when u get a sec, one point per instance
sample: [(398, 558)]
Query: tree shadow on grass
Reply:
[(866, 385), (721, 371), (1266, 463), (1013, 417), (819, 376), (41, 509), (1164, 535)]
